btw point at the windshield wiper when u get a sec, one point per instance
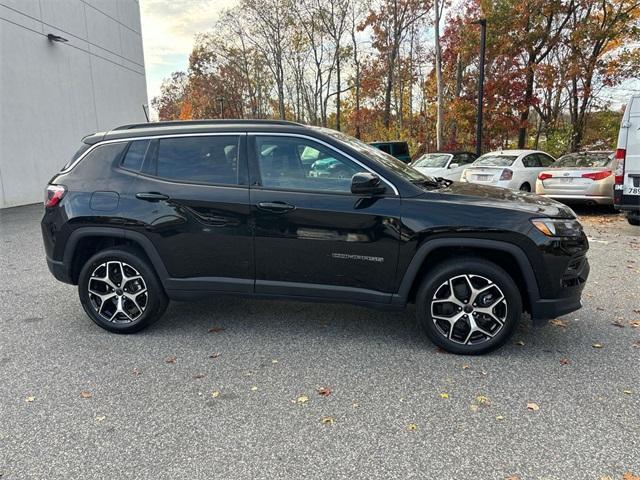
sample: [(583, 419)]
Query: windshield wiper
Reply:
[(434, 182)]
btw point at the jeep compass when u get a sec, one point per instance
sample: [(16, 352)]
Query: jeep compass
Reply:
[(149, 213)]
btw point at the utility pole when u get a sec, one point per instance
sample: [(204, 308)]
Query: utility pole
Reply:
[(483, 41), (221, 100)]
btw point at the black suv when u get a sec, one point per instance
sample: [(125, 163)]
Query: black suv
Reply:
[(178, 210)]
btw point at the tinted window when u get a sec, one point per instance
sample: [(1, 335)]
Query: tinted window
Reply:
[(546, 160), (211, 159), (531, 161), (301, 164), (490, 160), (135, 155), (432, 160), (584, 160), (467, 158), (400, 149), (385, 148)]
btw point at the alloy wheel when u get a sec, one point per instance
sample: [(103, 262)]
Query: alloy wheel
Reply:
[(117, 291), (469, 309)]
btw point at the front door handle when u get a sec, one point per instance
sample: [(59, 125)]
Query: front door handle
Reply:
[(152, 196), (276, 207)]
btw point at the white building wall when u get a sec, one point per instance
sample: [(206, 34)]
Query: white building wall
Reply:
[(52, 94)]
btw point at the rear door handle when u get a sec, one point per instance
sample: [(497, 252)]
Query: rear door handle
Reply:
[(276, 207), (152, 196)]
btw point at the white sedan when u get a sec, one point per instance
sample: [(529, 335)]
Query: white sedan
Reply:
[(514, 169), (449, 165)]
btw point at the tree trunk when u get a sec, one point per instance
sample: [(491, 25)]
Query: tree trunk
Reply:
[(528, 96), (338, 90), (439, 86)]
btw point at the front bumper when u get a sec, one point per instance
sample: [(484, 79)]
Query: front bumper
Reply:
[(573, 283)]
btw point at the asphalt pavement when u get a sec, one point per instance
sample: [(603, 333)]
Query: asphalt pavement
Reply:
[(228, 388)]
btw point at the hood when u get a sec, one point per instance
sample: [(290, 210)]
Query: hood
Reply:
[(496, 197)]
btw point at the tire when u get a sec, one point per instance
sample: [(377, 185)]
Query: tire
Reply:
[(633, 220), (525, 187), (496, 321), (131, 308)]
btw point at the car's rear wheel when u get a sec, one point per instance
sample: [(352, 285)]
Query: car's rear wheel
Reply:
[(634, 220), (468, 306), (120, 291)]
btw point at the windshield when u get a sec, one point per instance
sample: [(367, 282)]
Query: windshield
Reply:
[(490, 160), (392, 163), (587, 160), (432, 160)]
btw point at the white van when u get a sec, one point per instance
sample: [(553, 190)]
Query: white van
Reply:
[(627, 172)]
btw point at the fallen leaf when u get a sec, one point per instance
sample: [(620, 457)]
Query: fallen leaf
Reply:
[(137, 372), (324, 391), (512, 477), (520, 343), (465, 366), (355, 404), (302, 399), (30, 399), (629, 476), (254, 388), (274, 361), (214, 355), (215, 394), (597, 345), (441, 350), (199, 375), (565, 361), (412, 426), (636, 344), (534, 407), (499, 417), (216, 330), (444, 395), (636, 310), (86, 394), (634, 323), (100, 418), (627, 392), (171, 359), (473, 408), (327, 420), (556, 322), (482, 400), (617, 323)]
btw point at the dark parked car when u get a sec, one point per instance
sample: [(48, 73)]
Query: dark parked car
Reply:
[(396, 148), (179, 210)]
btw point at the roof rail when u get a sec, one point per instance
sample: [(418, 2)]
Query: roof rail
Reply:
[(226, 121)]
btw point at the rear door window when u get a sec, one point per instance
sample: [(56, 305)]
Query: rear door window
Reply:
[(531, 161), (206, 159), (545, 160)]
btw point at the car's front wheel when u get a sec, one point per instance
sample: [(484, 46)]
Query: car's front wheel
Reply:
[(120, 291), (634, 220), (468, 306)]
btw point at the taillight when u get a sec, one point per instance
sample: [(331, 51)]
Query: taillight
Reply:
[(53, 194), (597, 175), (543, 176), (621, 153), (506, 174)]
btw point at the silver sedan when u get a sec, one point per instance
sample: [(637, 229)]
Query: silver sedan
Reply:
[(584, 177)]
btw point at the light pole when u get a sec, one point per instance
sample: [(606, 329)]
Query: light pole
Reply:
[(221, 100), (483, 41)]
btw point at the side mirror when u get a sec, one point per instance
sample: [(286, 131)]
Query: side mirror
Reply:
[(366, 183), (454, 165)]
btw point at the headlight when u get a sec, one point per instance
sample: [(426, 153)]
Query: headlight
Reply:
[(557, 227)]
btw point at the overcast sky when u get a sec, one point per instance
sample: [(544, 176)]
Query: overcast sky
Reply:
[(168, 29)]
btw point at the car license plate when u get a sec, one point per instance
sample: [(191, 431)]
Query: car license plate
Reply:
[(484, 178), (632, 190), (566, 180)]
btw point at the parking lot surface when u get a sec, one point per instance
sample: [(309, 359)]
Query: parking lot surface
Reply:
[(228, 388)]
